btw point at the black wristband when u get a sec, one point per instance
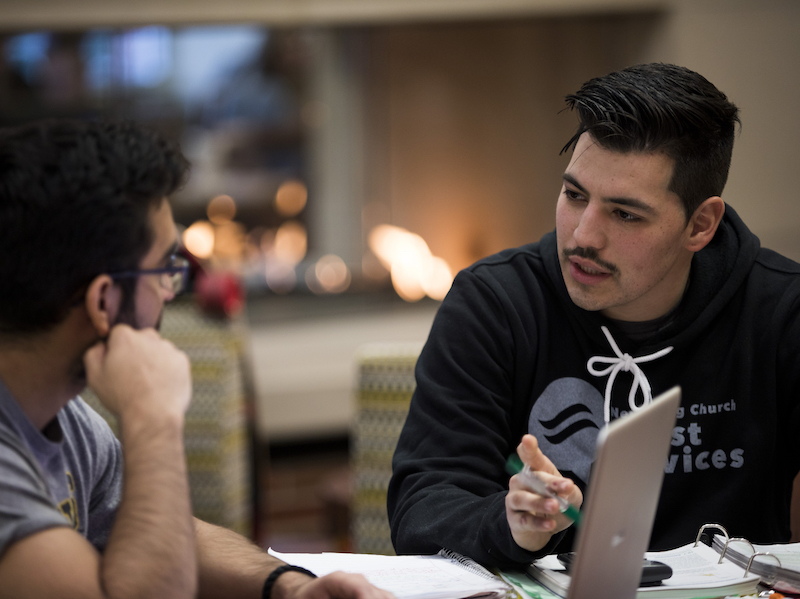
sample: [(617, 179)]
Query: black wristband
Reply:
[(270, 582)]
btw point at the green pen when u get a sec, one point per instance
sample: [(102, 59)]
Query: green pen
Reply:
[(537, 485)]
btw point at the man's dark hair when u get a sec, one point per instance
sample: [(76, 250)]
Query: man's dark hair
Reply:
[(74, 203), (663, 108)]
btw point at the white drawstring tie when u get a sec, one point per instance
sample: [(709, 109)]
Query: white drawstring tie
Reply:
[(626, 363)]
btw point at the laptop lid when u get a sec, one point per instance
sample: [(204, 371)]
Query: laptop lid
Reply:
[(621, 500)]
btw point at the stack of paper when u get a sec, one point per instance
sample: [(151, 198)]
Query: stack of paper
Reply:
[(784, 578), (408, 576), (695, 573)]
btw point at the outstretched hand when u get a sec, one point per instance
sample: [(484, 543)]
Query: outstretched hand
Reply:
[(533, 519)]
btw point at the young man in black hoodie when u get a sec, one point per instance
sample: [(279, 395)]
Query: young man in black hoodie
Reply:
[(649, 280)]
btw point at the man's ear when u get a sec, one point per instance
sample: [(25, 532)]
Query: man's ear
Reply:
[(704, 222), (103, 301)]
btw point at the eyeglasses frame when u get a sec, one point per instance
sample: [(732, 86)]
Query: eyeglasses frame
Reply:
[(182, 268)]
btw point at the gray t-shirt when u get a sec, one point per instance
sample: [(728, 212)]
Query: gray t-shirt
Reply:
[(70, 474)]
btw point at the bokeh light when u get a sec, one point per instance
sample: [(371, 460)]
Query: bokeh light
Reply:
[(406, 278), (415, 272), (329, 275), (199, 239), (437, 278), (291, 197), (221, 209), (291, 242), (229, 241)]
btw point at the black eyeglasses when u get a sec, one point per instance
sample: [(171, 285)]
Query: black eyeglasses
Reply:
[(173, 276)]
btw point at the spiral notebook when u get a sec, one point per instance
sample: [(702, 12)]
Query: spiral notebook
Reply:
[(447, 575)]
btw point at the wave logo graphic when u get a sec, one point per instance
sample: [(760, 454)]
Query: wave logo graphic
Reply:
[(574, 426), (566, 419)]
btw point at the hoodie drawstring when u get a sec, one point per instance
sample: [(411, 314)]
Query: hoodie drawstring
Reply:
[(627, 363)]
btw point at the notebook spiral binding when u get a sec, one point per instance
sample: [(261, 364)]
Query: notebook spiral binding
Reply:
[(468, 563), (479, 570)]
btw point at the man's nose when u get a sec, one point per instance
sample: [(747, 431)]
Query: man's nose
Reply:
[(590, 231), (167, 294)]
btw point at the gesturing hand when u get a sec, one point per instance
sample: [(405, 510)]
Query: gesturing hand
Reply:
[(533, 519)]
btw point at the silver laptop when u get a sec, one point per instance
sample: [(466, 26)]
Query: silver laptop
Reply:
[(621, 501)]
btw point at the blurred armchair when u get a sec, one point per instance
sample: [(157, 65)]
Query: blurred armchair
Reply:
[(385, 386)]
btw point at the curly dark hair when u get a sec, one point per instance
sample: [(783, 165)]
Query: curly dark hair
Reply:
[(74, 203), (663, 108)]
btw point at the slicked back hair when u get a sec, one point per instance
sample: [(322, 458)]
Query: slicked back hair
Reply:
[(75, 199), (662, 108)]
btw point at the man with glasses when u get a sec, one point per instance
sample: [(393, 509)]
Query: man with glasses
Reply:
[(88, 252)]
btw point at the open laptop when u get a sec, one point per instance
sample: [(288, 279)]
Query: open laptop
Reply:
[(621, 501)]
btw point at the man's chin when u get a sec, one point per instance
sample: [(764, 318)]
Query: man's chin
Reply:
[(584, 300)]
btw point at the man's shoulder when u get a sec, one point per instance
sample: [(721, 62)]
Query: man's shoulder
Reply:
[(17, 463), (526, 256), (27, 503), (773, 286), (12, 447), (78, 410), (772, 261), (84, 428), (14, 450), (515, 274)]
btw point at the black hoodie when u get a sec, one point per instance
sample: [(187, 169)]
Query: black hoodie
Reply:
[(510, 353)]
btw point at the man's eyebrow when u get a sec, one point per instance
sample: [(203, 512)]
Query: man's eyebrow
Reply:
[(574, 182), (630, 202)]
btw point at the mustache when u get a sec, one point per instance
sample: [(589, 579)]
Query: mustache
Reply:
[(590, 254)]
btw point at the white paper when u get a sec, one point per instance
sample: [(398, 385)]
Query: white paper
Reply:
[(407, 577), (697, 567)]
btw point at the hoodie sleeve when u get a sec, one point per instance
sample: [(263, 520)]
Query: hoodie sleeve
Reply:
[(449, 484)]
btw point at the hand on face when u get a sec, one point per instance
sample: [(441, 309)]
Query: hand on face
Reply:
[(136, 371), (533, 519), (337, 585)]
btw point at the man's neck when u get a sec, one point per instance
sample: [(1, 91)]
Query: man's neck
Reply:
[(42, 371), (643, 330), (664, 302)]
